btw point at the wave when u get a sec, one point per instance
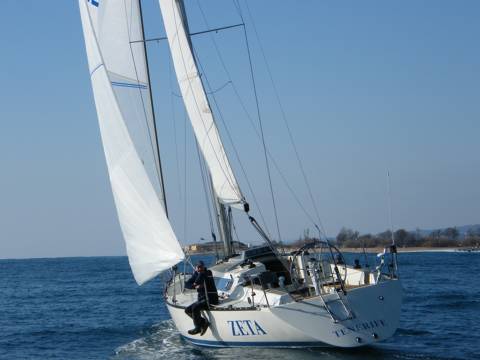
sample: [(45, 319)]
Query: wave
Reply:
[(162, 341), (413, 332), (461, 305)]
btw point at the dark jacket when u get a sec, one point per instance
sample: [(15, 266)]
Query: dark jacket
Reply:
[(205, 280)]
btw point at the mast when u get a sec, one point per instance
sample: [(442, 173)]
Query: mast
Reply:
[(222, 211), (159, 162), (223, 225)]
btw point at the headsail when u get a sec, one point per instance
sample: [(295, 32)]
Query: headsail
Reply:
[(121, 90), (196, 103)]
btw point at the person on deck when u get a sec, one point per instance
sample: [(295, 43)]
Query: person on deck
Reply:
[(357, 264), (202, 280), (339, 260)]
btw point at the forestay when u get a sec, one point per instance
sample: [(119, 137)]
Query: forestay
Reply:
[(121, 90), (196, 103)]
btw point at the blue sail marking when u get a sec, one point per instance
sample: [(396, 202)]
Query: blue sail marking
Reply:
[(130, 85)]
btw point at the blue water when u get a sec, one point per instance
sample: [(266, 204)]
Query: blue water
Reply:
[(90, 308)]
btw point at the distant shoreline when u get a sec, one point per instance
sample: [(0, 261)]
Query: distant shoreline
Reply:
[(377, 250), (374, 250)]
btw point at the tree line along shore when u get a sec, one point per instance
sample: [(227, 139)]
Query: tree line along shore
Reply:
[(445, 238), (352, 241)]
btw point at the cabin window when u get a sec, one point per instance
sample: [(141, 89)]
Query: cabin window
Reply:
[(223, 284)]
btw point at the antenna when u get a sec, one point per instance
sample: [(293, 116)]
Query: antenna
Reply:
[(389, 196)]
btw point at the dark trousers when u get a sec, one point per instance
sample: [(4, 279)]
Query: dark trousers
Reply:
[(194, 311)]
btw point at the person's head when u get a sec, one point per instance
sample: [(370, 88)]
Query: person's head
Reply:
[(200, 266), (357, 262)]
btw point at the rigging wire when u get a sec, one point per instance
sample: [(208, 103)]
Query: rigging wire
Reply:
[(230, 138), (284, 178), (206, 188), (260, 122), (185, 177), (389, 191), (275, 164), (285, 120), (235, 231), (221, 117), (256, 131), (174, 121), (321, 229), (224, 165), (230, 225), (153, 137), (202, 166), (259, 135), (219, 89)]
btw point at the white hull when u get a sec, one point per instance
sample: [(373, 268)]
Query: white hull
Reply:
[(304, 323)]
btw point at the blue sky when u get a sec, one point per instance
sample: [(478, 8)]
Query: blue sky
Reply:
[(366, 86)]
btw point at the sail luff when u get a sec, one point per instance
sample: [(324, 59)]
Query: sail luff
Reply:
[(151, 243), (197, 105)]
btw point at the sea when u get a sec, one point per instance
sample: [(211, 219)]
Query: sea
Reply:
[(91, 308)]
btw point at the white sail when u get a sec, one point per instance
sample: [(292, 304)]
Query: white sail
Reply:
[(121, 90), (196, 103)]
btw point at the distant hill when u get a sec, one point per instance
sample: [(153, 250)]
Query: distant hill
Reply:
[(462, 230)]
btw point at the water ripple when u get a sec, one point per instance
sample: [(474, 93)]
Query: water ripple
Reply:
[(91, 308)]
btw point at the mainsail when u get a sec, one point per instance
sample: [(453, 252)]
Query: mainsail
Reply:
[(119, 76), (196, 102)]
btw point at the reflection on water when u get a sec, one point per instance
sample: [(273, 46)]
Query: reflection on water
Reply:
[(165, 342)]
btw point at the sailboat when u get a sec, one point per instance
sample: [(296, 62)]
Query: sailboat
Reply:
[(307, 298)]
